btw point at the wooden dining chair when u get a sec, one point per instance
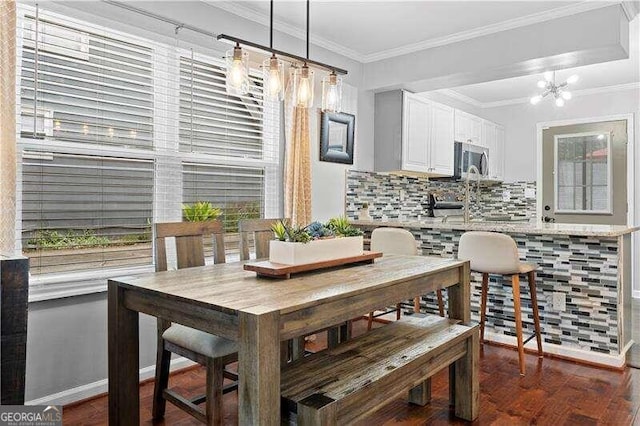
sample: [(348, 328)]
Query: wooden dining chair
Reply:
[(262, 234), (398, 241), (212, 351)]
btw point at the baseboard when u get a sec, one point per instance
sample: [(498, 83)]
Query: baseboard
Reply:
[(578, 355), (100, 387)]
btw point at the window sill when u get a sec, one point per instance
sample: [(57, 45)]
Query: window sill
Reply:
[(57, 286)]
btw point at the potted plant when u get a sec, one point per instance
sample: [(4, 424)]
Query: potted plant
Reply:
[(315, 242)]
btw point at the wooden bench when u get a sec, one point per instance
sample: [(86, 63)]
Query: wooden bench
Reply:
[(346, 383)]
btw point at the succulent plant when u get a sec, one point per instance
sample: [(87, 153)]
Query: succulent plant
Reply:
[(279, 230), (342, 228), (318, 230)]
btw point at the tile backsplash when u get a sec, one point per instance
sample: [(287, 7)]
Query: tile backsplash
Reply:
[(399, 197)]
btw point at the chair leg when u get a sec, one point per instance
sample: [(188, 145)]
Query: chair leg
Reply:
[(536, 314), (398, 311), (440, 302), (416, 304), (370, 321), (515, 284), (483, 304), (215, 382), (163, 363)]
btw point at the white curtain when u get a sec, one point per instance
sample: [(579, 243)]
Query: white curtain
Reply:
[(7, 126)]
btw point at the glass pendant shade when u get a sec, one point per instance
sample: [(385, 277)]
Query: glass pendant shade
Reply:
[(237, 79), (304, 87), (273, 73), (331, 93)]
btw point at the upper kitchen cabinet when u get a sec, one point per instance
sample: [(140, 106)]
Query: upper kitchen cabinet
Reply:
[(468, 128), (413, 134), (493, 138), (416, 133), (442, 137)]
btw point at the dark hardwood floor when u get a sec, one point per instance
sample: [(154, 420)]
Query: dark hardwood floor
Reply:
[(554, 392)]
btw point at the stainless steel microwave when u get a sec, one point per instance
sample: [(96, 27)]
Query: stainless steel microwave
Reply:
[(467, 155)]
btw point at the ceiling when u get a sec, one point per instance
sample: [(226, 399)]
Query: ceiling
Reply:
[(373, 30), (611, 75)]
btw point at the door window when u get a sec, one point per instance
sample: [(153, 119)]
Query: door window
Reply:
[(583, 173)]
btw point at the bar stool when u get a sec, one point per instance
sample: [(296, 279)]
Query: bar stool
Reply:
[(398, 241), (494, 253)]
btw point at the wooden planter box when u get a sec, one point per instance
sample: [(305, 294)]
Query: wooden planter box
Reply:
[(314, 251)]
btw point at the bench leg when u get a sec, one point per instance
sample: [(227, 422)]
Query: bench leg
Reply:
[(421, 394), (317, 410), (465, 378)]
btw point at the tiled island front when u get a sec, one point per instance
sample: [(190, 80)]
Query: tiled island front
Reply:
[(587, 265)]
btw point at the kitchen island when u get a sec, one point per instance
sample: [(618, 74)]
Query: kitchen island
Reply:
[(588, 267)]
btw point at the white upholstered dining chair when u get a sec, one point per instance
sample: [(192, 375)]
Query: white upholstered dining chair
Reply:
[(398, 241)]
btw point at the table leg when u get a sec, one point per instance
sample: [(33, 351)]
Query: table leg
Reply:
[(460, 296), (124, 395), (466, 381), (259, 369)]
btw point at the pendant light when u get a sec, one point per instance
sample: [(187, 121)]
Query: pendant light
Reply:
[(304, 77), (273, 70), (237, 78), (331, 93)]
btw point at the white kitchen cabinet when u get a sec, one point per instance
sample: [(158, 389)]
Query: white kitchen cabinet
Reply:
[(499, 153), (416, 133), (493, 136), (442, 137), (468, 128)]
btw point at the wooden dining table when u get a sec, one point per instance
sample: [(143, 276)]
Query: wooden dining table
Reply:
[(259, 313)]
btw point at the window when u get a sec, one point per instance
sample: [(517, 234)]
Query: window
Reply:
[(91, 87), (117, 131), (85, 212), (583, 173)]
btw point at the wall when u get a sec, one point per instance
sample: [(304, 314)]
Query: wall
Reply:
[(66, 348)]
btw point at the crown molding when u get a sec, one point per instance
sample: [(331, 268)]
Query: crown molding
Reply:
[(576, 93), (459, 96), (523, 21), (248, 13), (631, 9)]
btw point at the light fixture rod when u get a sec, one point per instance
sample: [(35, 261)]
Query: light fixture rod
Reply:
[(271, 26), (307, 29), (277, 52)]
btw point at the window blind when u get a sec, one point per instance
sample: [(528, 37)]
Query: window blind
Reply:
[(237, 191), (84, 86), (85, 212), (213, 122), (126, 129)]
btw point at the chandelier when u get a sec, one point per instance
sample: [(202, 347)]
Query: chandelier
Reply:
[(237, 78), (558, 91)]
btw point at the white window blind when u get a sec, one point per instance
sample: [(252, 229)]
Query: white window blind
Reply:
[(237, 191), (84, 86), (213, 122), (84, 212), (127, 129)]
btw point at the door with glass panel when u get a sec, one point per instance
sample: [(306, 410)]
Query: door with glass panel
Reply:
[(585, 173)]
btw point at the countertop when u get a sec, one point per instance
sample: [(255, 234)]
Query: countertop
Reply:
[(511, 227)]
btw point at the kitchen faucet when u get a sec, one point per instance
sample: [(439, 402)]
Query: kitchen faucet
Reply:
[(474, 169)]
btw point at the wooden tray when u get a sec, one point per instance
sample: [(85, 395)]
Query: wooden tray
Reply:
[(279, 270)]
